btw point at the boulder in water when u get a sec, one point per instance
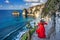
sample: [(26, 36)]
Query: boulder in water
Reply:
[(15, 13)]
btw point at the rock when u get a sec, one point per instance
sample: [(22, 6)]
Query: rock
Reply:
[(24, 13), (34, 11), (15, 13)]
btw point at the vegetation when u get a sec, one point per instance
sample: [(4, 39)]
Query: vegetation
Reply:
[(25, 36), (50, 6)]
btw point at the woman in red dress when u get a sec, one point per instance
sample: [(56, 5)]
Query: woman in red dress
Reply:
[(41, 29)]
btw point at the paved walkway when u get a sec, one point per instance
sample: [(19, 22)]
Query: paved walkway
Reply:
[(35, 37), (48, 27), (54, 35)]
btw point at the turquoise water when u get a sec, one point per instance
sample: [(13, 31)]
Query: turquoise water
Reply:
[(9, 23), (6, 18)]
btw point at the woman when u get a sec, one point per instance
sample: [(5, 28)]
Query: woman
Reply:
[(41, 29)]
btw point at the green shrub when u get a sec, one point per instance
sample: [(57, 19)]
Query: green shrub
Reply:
[(32, 30), (25, 36)]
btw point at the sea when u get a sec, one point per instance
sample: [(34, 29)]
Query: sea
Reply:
[(12, 27)]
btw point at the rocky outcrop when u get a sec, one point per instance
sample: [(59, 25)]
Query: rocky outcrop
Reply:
[(15, 13), (34, 11)]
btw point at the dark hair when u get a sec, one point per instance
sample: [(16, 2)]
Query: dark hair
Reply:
[(42, 21)]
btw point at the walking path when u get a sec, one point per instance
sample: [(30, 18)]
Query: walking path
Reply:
[(54, 35), (48, 28), (35, 37)]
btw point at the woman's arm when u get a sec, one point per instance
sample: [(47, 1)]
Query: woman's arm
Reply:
[(45, 23)]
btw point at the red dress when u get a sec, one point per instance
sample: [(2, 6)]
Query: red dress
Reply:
[(41, 30)]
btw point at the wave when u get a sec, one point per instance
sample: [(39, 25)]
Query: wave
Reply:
[(14, 31), (18, 37)]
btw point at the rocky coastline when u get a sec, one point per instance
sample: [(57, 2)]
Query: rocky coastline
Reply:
[(34, 11)]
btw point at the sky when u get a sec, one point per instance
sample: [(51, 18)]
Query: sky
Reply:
[(19, 4)]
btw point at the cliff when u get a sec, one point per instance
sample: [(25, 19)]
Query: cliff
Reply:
[(43, 10), (50, 8), (34, 11)]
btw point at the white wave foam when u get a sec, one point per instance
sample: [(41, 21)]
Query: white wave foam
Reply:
[(18, 37)]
